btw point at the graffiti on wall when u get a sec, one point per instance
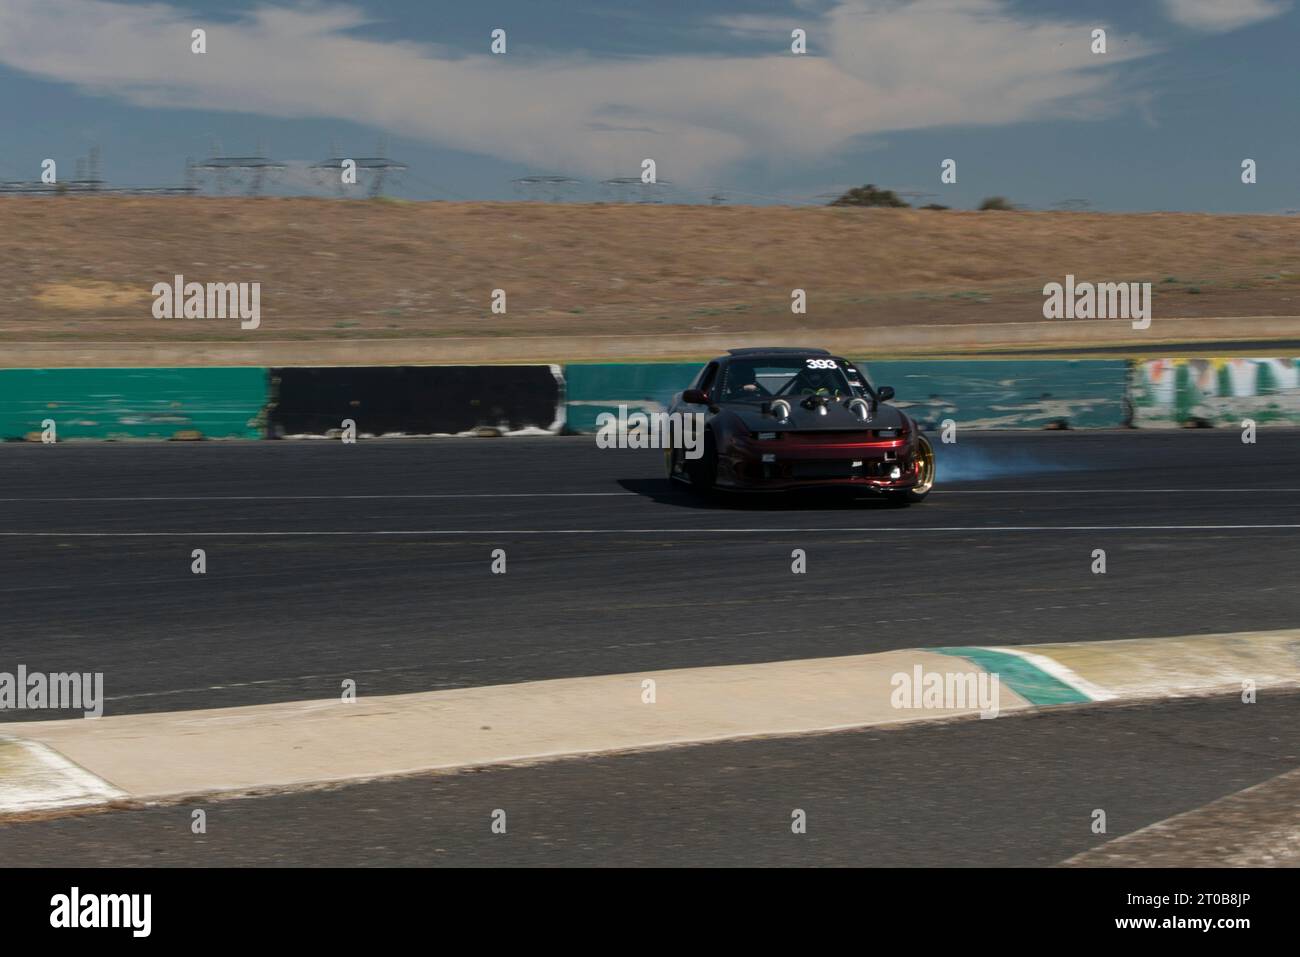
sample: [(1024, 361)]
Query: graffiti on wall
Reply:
[(1174, 392)]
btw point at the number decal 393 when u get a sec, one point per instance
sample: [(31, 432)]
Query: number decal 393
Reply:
[(822, 364)]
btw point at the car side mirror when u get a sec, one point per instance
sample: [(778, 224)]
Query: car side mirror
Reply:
[(695, 397), (885, 393)]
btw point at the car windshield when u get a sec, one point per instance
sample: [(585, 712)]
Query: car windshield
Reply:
[(766, 378)]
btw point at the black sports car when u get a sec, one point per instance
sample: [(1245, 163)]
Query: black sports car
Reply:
[(794, 418)]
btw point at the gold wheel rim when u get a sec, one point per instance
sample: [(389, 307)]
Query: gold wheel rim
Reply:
[(925, 461)]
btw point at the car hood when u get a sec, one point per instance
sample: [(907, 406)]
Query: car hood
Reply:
[(838, 418)]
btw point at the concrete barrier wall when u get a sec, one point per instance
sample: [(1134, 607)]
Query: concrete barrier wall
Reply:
[(134, 403), (418, 400), (1169, 393)]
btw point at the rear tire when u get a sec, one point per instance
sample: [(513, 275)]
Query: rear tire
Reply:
[(919, 493)]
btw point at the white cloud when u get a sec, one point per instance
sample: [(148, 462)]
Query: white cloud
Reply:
[(1220, 16), (760, 25), (880, 66)]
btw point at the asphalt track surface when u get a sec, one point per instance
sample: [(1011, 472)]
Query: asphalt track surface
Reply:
[(1019, 790), (372, 561)]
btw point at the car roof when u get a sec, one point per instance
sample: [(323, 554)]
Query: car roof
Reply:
[(775, 351)]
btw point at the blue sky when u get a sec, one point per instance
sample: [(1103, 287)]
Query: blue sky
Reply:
[(887, 90)]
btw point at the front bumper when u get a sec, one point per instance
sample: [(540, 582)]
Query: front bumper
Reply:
[(807, 460)]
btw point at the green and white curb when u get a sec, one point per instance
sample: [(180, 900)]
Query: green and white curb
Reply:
[(1135, 669), (50, 765), (1142, 668), (1037, 678)]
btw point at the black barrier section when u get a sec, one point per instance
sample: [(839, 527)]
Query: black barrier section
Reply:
[(413, 399)]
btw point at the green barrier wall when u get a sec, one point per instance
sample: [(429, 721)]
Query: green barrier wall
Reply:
[(134, 403), (981, 394), (641, 386), (1167, 393), (1008, 394), (987, 394)]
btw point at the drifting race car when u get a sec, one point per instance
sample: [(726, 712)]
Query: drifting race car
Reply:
[(796, 418)]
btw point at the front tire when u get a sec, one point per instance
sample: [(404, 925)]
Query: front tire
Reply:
[(704, 470)]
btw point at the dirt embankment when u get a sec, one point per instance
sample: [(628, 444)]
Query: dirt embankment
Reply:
[(81, 269)]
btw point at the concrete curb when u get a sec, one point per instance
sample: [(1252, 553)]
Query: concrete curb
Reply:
[(162, 757)]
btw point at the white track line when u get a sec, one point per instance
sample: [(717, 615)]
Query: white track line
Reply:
[(384, 533), (471, 495)]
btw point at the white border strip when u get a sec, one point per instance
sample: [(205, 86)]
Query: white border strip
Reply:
[(38, 778), (1061, 673)]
